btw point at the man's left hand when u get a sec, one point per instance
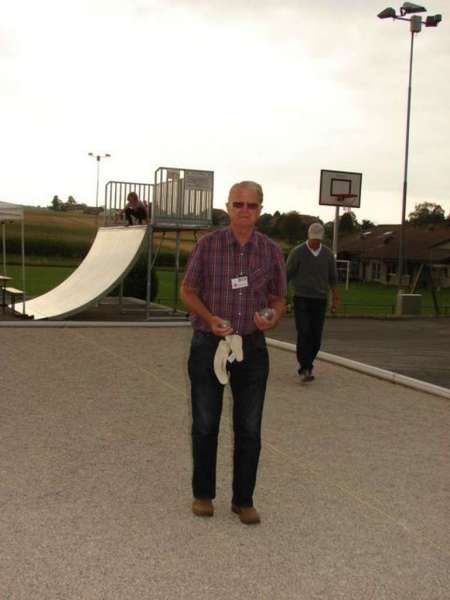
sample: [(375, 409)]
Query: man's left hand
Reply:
[(263, 324)]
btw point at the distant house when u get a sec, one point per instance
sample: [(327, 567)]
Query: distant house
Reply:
[(373, 254)]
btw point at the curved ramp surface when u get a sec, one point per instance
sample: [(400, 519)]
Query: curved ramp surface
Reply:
[(112, 255)]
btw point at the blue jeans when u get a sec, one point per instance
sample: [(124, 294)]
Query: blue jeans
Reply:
[(309, 318), (248, 385)]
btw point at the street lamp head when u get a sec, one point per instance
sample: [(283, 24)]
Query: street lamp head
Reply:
[(99, 156), (409, 8), (387, 13), (433, 21), (415, 24)]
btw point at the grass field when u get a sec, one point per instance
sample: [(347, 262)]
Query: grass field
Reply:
[(39, 279), (52, 234), (361, 299), (376, 298), (62, 236), (57, 242)]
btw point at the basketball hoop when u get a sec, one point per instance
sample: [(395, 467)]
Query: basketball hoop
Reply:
[(343, 197), (340, 188)]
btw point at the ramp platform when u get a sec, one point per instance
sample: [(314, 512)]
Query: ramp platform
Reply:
[(111, 257)]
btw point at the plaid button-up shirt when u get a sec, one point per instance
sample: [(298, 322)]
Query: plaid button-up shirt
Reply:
[(217, 259)]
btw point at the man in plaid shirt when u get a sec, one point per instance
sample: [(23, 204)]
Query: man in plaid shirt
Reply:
[(232, 274)]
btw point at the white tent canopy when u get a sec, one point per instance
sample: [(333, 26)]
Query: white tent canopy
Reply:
[(12, 213)]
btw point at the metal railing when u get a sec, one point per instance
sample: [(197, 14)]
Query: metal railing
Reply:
[(116, 193), (183, 198)]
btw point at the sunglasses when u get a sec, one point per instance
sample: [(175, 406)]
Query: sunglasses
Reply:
[(249, 205)]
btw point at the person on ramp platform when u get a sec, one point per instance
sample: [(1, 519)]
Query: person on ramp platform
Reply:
[(135, 209), (235, 286)]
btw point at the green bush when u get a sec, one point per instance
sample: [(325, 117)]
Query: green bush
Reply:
[(135, 284), (166, 258)]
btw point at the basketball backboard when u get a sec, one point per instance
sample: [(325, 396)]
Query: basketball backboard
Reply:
[(340, 188)]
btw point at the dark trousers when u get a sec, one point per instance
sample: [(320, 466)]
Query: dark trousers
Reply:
[(309, 319), (248, 385), (138, 213)]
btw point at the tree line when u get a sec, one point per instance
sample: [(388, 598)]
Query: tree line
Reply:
[(71, 204), (293, 227)]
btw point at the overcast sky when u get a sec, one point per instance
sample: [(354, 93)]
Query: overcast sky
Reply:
[(270, 90)]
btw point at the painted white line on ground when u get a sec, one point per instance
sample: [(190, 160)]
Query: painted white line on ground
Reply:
[(391, 376), (416, 384)]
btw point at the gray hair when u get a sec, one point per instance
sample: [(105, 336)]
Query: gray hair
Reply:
[(247, 185)]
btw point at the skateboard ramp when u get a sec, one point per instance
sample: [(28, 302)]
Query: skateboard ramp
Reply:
[(112, 255)]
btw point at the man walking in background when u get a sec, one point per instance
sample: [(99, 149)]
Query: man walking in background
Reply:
[(311, 269)]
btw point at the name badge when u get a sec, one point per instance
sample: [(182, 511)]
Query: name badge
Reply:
[(239, 282)]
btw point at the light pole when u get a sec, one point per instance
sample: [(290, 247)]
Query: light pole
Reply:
[(98, 158), (415, 22)]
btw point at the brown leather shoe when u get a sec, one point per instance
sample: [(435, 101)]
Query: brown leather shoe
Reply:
[(307, 376), (247, 514), (202, 507)]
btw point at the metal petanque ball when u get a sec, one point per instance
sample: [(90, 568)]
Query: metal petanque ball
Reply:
[(266, 313)]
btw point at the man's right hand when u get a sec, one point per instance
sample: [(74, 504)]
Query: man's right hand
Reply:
[(220, 326)]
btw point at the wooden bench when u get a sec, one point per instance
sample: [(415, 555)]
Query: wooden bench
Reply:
[(14, 294), (3, 281)]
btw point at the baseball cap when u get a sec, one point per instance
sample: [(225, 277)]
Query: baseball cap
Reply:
[(315, 231)]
